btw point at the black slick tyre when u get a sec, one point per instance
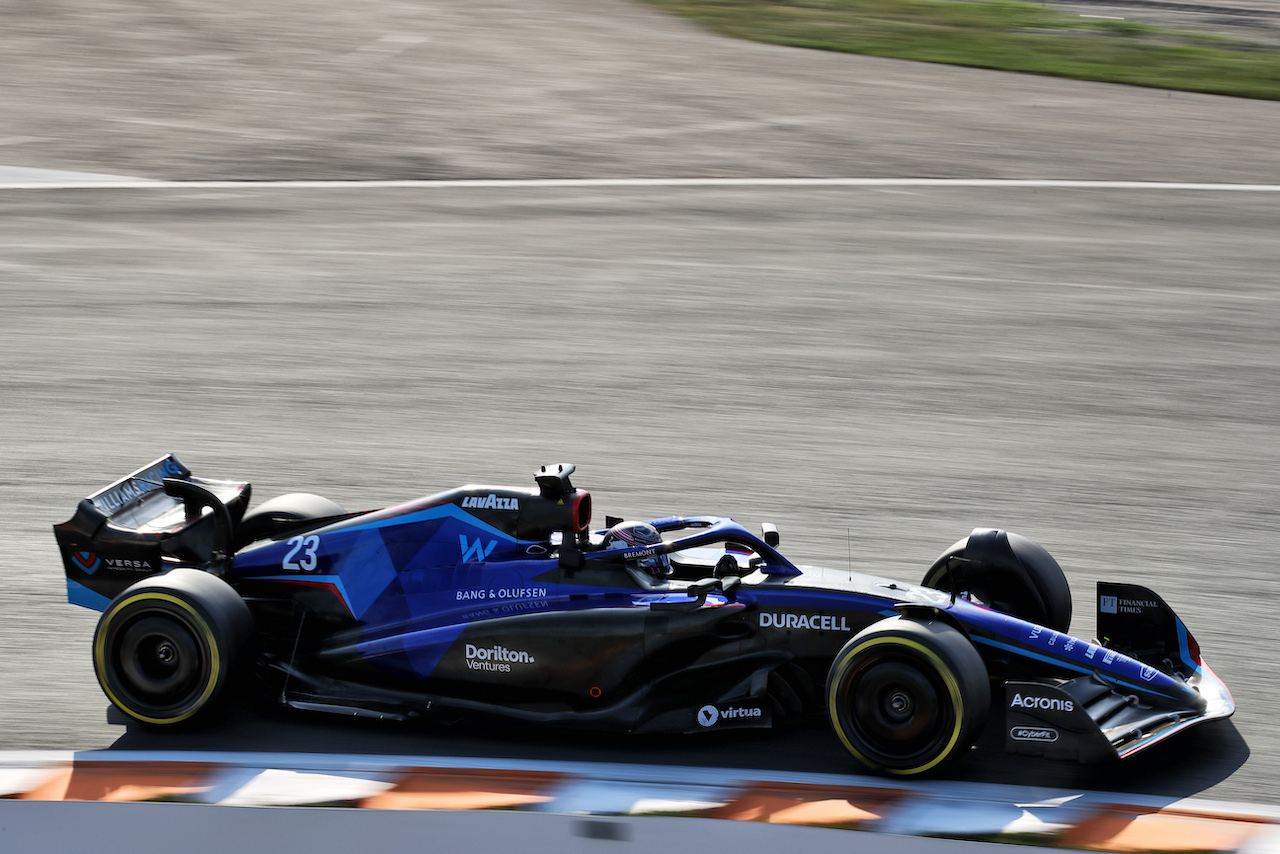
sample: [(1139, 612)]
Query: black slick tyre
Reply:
[(167, 649), (906, 697), (1007, 572), (283, 514)]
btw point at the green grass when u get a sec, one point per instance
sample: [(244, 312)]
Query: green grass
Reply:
[(1004, 35)]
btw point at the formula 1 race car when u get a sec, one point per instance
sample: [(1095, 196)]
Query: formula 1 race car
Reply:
[(502, 603)]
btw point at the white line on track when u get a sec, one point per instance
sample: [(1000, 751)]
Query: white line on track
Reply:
[(571, 183)]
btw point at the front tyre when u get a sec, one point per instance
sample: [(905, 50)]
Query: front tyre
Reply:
[(167, 648), (1008, 573), (906, 697)]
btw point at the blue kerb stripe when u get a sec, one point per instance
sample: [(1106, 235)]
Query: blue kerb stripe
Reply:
[(1057, 661), (78, 594)]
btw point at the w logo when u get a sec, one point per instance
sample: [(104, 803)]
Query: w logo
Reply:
[(475, 552)]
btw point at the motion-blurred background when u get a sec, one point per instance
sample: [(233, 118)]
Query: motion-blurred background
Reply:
[(877, 369)]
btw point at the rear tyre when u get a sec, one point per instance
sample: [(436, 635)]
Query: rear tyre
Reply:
[(283, 514), (167, 649), (906, 697), (1006, 572)]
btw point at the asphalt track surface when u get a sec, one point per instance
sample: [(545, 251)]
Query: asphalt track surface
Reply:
[(875, 369)]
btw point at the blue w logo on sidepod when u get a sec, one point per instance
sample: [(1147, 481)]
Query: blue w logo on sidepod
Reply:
[(88, 561), (475, 552)]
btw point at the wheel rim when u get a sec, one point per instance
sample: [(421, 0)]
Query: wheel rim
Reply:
[(899, 713), (159, 660), (157, 665)]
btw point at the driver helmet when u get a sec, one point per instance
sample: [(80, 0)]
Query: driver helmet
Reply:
[(628, 535)]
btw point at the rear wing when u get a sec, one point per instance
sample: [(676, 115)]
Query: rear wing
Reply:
[(130, 490), (143, 524)]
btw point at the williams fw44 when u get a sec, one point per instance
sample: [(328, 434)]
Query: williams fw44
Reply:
[(501, 603)]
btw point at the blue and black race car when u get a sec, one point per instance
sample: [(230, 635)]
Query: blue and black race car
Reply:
[(503, 603)]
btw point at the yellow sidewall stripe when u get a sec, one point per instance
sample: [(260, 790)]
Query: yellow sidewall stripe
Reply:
[(100, 656), (948, 678)]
